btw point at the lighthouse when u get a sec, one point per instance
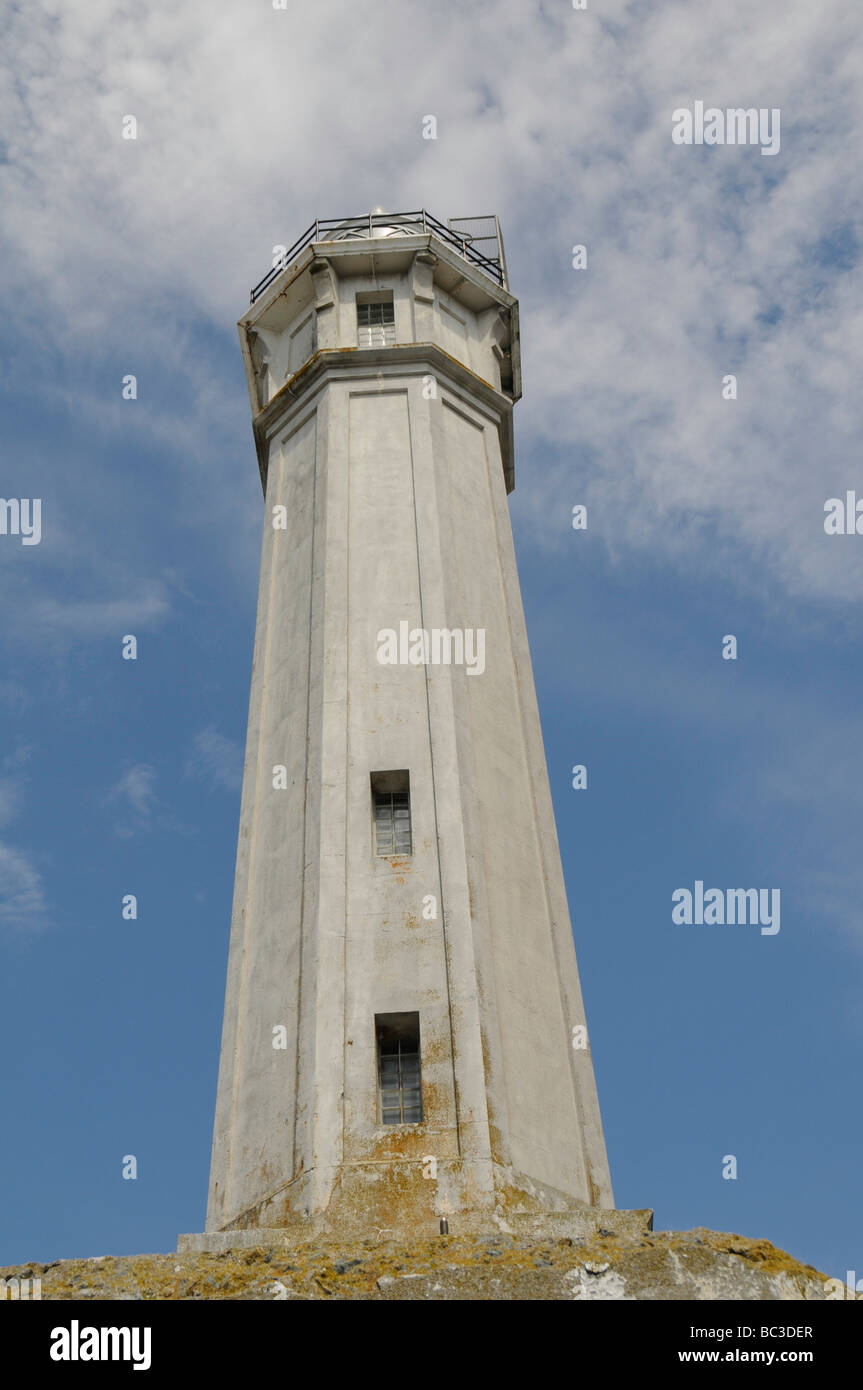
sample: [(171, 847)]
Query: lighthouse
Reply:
[(404, 1041)]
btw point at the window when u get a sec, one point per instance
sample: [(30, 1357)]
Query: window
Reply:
[(391, 804), (376, 323), (399, 1080)]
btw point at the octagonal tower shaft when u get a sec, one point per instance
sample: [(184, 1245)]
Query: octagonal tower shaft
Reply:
[(402, 984)]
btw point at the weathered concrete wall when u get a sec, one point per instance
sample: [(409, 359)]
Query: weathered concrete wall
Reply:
[(395, 959), (254, 1137), (526, 965), (395, 505)]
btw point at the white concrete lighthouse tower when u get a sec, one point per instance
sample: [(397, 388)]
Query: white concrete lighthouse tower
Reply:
[(404, 1030)]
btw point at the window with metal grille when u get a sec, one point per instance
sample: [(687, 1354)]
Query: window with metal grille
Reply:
[(391, 802), (376, 323), (399, 1079)]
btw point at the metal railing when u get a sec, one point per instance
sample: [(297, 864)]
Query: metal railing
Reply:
[(347, 229)]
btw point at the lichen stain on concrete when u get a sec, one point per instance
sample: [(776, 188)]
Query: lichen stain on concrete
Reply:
[(436, 1049), (698, 1264)]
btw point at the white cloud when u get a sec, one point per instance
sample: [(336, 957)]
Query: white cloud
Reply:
[(10, 786), (216, 760), (8, 800), (136, 809), (99, 618), (253, 122), (22, 754), (135, 796), (22, 898), (14, 695)]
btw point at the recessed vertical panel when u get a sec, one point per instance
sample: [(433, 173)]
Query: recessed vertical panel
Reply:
[(394, 960)]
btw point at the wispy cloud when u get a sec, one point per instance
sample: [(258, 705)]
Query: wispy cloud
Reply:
[(701, 261), (216, 760), (22, 897), (11, 762), (11, 785), (136, 808), (13, 696), (99, 618), (134, 799), (9, 794)]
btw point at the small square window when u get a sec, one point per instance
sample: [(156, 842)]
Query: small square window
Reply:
[(376, 322), (391, 807), (399, 1080)]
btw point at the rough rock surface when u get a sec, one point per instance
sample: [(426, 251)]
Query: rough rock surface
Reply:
[(697, 1264)]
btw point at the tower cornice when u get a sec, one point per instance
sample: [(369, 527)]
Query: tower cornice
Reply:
[(382, 364)]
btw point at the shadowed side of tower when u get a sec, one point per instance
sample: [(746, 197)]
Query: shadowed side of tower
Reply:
[(403, 1009)]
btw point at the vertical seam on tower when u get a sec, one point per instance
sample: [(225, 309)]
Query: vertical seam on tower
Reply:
[(458, 408), (446, 956), (308, 683), (346, 447)]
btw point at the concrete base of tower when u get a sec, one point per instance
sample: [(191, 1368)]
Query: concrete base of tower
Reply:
[(410, 1200)]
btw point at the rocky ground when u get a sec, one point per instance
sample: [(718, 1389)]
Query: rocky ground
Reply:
[(697, 1264)]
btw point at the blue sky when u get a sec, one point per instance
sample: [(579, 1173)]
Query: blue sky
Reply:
[(705, 518)]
